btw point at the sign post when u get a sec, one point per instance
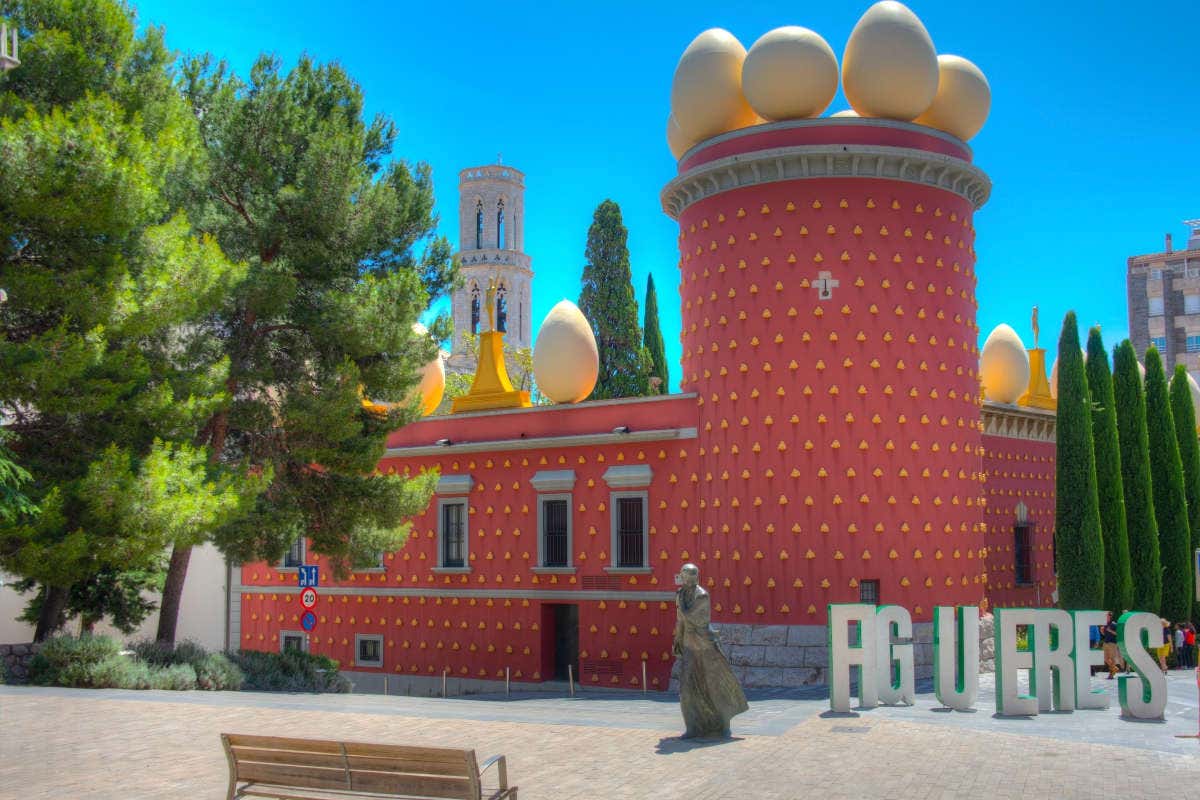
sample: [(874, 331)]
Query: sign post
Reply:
[(308, 576)]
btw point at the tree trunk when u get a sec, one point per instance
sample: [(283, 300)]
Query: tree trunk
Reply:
[(168, 612), (50, 619)]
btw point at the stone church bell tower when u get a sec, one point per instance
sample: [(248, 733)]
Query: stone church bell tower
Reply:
[(491, 236)]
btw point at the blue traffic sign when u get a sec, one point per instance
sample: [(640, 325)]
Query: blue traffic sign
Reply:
[(308, 575), (308, 621)]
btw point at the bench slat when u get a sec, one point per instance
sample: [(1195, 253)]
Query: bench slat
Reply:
[(406, 765), (310, 759), (419, 785), (440, 755), (293, 775), (282, 743)]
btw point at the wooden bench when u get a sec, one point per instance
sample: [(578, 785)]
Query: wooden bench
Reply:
[(307, 769)]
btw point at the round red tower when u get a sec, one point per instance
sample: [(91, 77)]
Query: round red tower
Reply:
[(828, 293)]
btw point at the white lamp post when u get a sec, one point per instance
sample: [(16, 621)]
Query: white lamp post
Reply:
[(8, 49)]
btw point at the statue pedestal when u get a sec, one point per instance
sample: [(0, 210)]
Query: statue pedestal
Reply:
[(492, 388), (1038, 393)]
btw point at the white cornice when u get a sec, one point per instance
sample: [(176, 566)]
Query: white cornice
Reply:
[(1019, 422), (540, 442), (826, 161)]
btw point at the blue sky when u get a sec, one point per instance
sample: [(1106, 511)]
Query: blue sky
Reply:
[(1093, 144)]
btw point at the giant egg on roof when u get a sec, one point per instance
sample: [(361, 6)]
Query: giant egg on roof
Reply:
[(963, 99), (890, 67), (433, 378), (790, 73), (1004, 365), (706, 94), (566, 361)]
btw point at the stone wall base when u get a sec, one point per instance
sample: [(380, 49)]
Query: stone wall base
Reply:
[(14, 661), (795, 656)]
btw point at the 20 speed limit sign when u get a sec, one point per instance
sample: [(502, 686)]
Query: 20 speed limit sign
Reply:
[(308, 598)]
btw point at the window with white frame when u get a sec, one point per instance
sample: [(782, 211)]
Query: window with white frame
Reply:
[(1156, 306), (373, 561), (292, 640), (629, 507), (1159, 342), (453, 534), (1193, 344), (555, 518), (368, 650), (1191, 304), (1156, 274), (294, 557)]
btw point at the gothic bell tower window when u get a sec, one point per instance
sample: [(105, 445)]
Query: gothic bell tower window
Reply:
[(500, 225), (474, 310), (479, 225)]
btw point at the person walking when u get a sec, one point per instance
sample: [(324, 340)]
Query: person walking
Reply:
[(1164, 647), (1189, 646), (1180, 658)]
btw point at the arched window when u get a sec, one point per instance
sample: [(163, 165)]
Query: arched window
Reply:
[(501, 309), (500, 225), (474, 309), (479, 225)]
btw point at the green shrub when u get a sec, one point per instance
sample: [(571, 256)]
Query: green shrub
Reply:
[(292, 671), (178, 677), (216, 672), (161, 654), (68, 661), (119, 672)]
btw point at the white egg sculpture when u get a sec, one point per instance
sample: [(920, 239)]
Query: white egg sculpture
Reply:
[(566, 362), (845, 112), (433, 378), (706, 94), (790, 73), (963, 99), (1004, 365), (890, 67), (678, 143)]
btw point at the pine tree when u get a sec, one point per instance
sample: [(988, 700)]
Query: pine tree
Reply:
[(1118, 584), (1078, 546), (608, 303), (653, 340), (106, 369), (1145, 566), (1170, 501), (1184, 413), (338, 239)]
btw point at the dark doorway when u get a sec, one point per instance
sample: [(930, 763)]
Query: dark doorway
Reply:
[(562, 620)]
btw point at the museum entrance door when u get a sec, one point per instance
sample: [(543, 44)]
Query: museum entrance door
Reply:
[(563, 619)]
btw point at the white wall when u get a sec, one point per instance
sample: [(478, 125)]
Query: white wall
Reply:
[(201, 614)]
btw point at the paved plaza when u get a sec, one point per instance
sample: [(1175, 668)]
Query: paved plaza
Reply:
[(67, 743)]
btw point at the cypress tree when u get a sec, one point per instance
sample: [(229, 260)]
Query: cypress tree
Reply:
[(1184, 413), (1170, 502), (653, 340), (608, 302), (1144, 565), (1118, 584), (1077, 541)]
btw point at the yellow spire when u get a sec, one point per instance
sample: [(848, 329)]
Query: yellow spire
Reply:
[(491, 388)]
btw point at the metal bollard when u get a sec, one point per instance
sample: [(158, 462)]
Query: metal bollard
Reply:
[(571, 678), (643, 677), (443, 683), (506, 682)]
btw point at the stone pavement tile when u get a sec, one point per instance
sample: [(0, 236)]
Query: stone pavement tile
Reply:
[(85, 744)]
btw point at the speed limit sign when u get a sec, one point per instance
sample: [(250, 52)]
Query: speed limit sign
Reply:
[(308, 598)]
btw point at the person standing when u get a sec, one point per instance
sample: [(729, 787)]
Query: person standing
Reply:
[(1112, 653), (1189, 646), (1164, 647), (1177, 633)]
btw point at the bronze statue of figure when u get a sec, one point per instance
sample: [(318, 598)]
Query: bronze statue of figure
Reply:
[(709, 694), (490, 296)]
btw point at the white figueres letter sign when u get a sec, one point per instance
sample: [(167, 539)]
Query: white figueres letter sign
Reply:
[(1086, 658), (844, 654), (1057, 656), (956, 656), (1143, 695), (893, 634)]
